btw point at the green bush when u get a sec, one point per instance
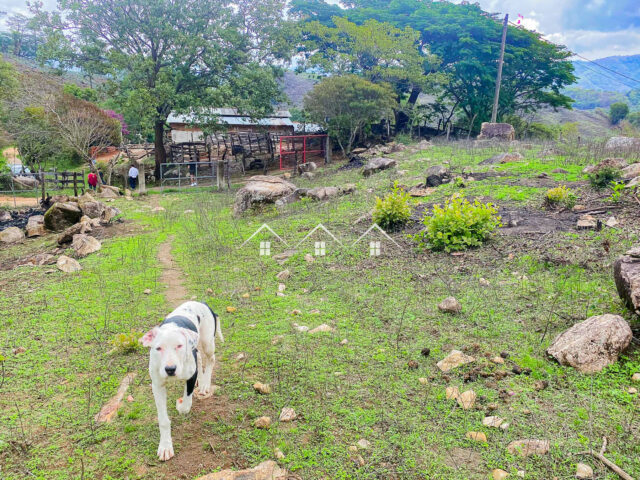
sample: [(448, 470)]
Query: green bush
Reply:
[(393, 210), (560, 196), (459, 224), (604, 177), (126, 342)]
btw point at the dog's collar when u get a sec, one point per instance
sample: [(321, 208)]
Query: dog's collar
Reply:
[(180, 321)]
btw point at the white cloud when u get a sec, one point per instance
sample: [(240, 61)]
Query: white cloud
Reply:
[(593, 44)]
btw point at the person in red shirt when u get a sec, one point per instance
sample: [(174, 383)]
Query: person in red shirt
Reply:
[(92, 179)]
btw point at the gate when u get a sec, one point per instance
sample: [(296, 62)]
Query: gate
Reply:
[(297, 149)]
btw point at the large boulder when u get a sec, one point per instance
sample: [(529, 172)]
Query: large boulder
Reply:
[(25, 183), (92, 208), (73, 230), (5, 216), (437, 175), (618, 163), (626, 273), (35, 226), (591, 345), (323, 193), (502, 158), (61, 216), (260, 190), (500, 131), (11, 235), (307, 167), (107, 191), (68, 264), (85, 245), (378, 164), (268, 470), (632, 171), (623, 144)]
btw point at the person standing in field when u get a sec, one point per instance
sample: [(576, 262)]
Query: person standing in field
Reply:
[(133, 177), (92, 180)]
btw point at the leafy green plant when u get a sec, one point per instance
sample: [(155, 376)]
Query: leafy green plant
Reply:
[(459, 182), (126, 342), (459, 224), (560, 196), (604, 177), (393, 210), (617, 191)]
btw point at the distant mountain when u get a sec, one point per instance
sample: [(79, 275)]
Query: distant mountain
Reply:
[(296, 86), (593, 77)]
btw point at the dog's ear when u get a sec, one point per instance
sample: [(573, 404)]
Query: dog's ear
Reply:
[(191, 336), (148, 337)]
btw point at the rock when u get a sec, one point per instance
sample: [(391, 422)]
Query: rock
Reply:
[(524, 448), (147, 291), (39, 260), (309, 258), (278, 453), (633, 183), (540, 385), (623, 144), (632, 390), (282, 287), (35, 226), (260, 190), (61, 216), (158, 209), (281, 258), (467, 399), (587, 222), (635, 377), (68, 264), (591, 345), (300, 328), (454, 360), (584, 471), (452, 393), (412, 364), (18, 350), (352, 449), (437, 175), (92, 209), (262, 422), (419, 191), (611, 222), (632, 171), (322, 328), (618, 163), (85, 245), (107, 193), (378, 164), (559, 170), (498, 474), (499, 131), (5, 216), (296, 311), (307, 167), (476, 436), (498, 360), (307, 175), (268, 470), (502, 158), (323, 193), (25, 183), (231, 309), (493, 422), (423, 145), (484, 282), (69, 233), (288, 414), (108, 214), (11, 235), (450, 305), (363, 444), (262, 388), (423, 381)]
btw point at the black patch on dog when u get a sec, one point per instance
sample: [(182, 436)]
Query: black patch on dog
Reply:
[(182, 322), (191, 383), (215, 319)]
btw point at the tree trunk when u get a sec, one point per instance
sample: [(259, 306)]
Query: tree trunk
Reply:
[(402, 119), (160, 154)]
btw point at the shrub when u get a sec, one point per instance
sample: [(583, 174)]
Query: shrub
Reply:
[(618, 111), (393, 210), (560, 196), (459, 224), (604, 177), (126, 342), (617, 191)]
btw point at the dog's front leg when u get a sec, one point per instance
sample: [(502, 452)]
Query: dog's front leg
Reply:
[(183, 405), (165, 448)]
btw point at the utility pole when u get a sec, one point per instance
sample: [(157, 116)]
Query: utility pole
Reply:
[(494, 113)]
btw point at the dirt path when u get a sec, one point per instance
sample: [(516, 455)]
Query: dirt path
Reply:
[(8, 200), (171, 276)]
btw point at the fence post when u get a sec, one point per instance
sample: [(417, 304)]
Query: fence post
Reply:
[(327, 150), (43, 185)]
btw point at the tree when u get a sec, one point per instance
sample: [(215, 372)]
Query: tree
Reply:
[(617, 112), (162, 55), (467, 41), (347, 105)]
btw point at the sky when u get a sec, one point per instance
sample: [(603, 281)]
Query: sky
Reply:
[(591, 28)]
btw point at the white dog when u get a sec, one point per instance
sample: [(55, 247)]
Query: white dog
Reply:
[(175, 343)]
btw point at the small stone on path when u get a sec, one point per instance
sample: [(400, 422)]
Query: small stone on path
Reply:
[(476, 436), (452, 393), (467, 399), (262, 388), (322, 328), (288, 414), (455, 359), (525, 448), (363, 444), (283, 275), (450, 305), (263, 422), (584, 471), (344, 341), (68, 264), (494, 422)]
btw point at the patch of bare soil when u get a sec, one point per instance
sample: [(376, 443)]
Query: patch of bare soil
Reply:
[(171, 276), (523, 221), (466, 460), (10, 201)]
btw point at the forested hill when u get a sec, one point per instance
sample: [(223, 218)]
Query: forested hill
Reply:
[(592, 77)]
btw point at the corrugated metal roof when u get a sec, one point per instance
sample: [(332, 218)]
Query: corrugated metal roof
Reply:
[(230, 116)]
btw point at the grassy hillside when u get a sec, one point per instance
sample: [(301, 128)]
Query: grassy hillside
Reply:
[(595, 78)]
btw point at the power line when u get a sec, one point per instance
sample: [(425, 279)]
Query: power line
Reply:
[(607, 68)]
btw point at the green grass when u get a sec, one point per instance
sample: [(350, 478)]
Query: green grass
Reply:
[(385, 307)]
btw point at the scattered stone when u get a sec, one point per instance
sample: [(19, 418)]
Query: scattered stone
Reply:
[(626, 273), (591, 345), (633, 183), (425, 352), (35, 226), (11, 235), (344, 341), (525, 448), (158, 209), (363, 444), (18, 350), (454, 360), (288, 414), (631, 172), (283, 275), (307, 175), (559, 170), (450, 305), (635, 377), (262, 388), (209, 291), (484, 282), (147, 291), (38, 259), (5, 216), (504, 354), (498, 360), (412, 364), (68, 264), (617, 163), (260, 190), (611, 222), (263, 422), (268, 470), (322, 328), (452, 393), (85, 245), (502, 158), (540, 385), (301, 328), (246, 295), (467, 399), (493, 421), (498, 474), (107, 191), (282, 287), (504, 426), (476, 436), (586, 222), (231, 309), (309, 258), (352, 449), (188, 211), (584, 471), (241, 356), (307, 167), (543, 175), (67, 235), (378, 164), (278, 453), (419, 191), (423, 381), (91, 208), (314, 311), (437, 175)]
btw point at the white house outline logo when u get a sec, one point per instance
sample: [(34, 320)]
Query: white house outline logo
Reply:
[(374, 246), (265, 246), (320, 246)]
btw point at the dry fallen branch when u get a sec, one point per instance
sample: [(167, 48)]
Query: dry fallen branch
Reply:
[(600, 456)]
